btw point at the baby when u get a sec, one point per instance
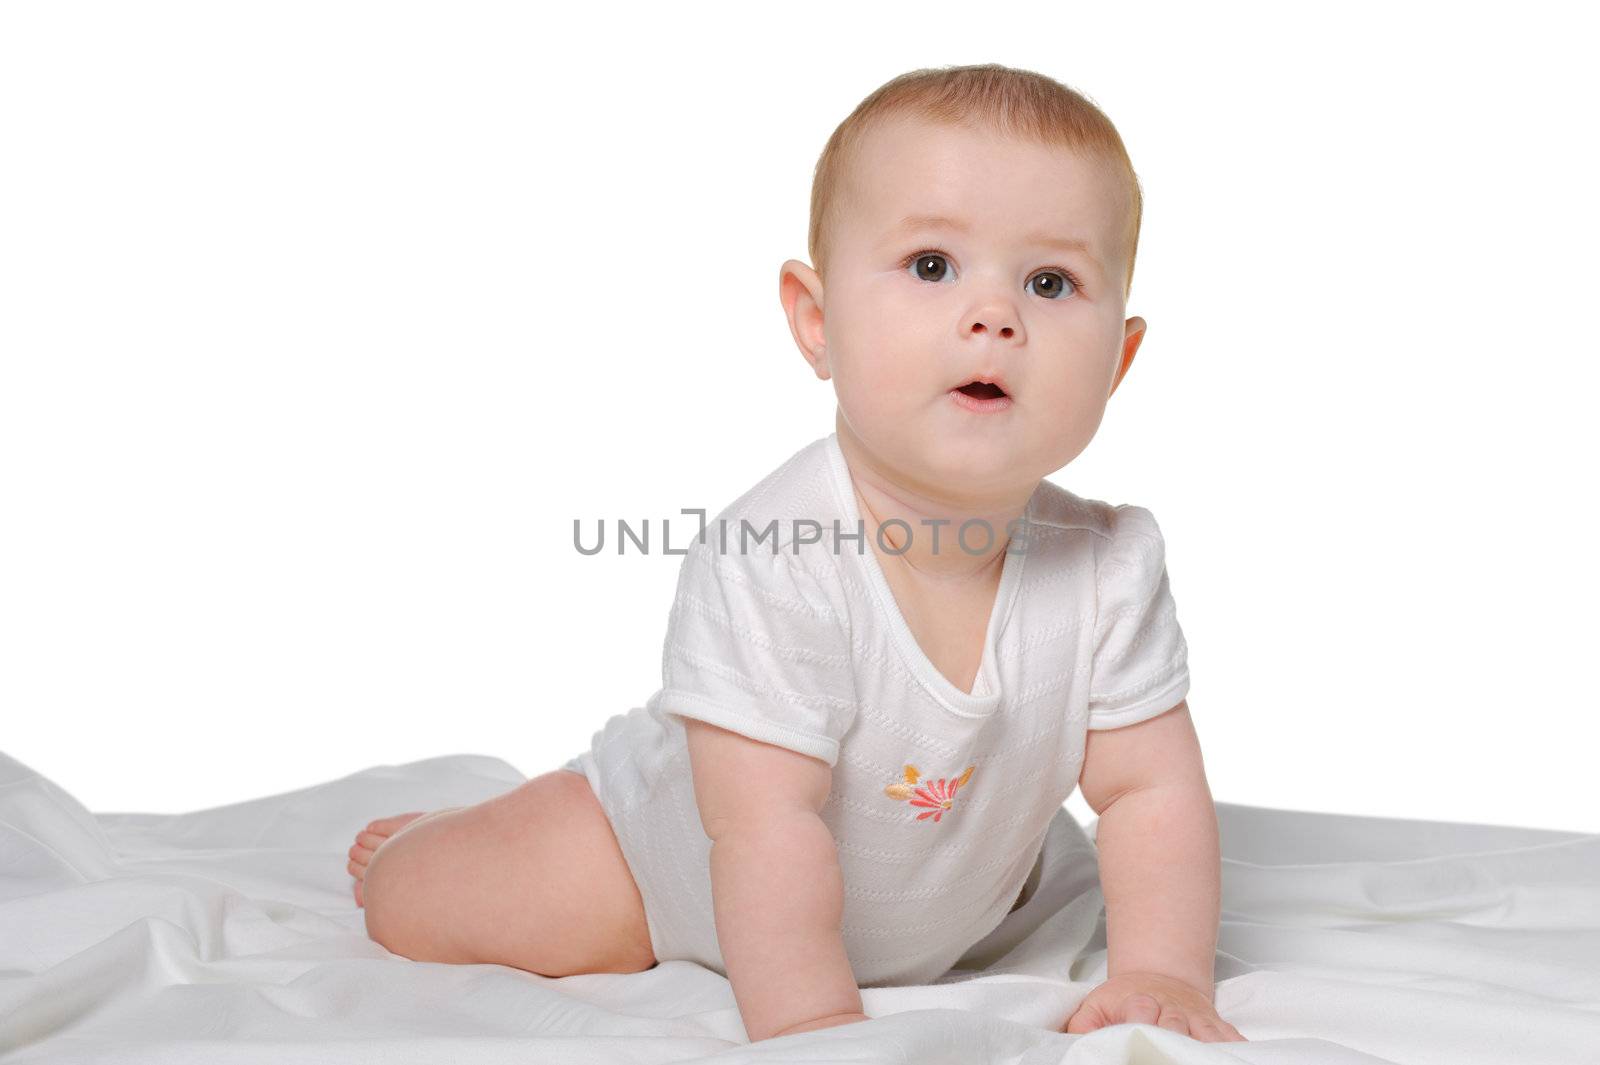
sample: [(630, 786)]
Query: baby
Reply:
[(891, 661)]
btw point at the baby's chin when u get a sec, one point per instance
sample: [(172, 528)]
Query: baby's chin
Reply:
[(931, 453), (971, 465)]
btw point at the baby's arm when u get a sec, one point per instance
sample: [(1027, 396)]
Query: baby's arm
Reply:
[(776, 888), (1160, 864)]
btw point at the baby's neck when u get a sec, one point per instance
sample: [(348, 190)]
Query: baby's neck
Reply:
[(930, 518)]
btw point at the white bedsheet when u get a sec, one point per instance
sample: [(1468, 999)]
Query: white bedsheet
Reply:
[(230, 935)]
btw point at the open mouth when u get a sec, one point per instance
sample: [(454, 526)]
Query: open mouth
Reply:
[(981, 390)]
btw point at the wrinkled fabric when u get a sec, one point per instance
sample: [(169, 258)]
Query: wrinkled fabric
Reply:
[(231, 935)]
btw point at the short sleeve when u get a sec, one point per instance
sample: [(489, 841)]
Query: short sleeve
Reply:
[(759, 645), (1141, 661)]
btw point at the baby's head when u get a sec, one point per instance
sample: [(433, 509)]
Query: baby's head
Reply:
[(1023, 285)]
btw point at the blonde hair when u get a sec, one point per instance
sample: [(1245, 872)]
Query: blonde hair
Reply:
[(1013, 102)]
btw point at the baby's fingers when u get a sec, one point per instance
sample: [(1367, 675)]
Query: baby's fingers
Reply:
[(1217, 1031), (1140, 1009)]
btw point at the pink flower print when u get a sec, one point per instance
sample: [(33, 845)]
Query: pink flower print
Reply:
[(935, 797)]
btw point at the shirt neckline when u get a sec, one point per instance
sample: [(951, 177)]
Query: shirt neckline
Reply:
[(935, 683)]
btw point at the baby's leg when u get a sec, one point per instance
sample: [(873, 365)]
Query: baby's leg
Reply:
[(532, 878)]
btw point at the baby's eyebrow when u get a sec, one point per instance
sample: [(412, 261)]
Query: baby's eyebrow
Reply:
[(936, 221)]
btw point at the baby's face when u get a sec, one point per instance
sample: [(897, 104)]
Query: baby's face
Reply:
[(913, 312)]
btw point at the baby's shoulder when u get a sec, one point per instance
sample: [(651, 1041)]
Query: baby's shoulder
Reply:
[(1068, 529), (782, 513), (772, 540)]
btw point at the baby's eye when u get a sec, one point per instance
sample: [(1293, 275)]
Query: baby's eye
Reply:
[(1057, 279), (929, 266)]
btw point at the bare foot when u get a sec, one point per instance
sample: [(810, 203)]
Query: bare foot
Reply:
[(369, 840)]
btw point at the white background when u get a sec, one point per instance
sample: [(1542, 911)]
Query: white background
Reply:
[(321, 323)]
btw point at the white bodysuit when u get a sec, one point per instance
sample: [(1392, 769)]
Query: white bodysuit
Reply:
[(940, 798)]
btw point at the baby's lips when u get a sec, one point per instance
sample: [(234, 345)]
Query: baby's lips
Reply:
[(992, 377)]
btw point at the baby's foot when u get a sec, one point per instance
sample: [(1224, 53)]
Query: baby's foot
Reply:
[(369, 840)]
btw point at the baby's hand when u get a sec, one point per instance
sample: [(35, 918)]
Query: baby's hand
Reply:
[(1151, 998)]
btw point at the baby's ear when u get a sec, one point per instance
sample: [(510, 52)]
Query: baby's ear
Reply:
[(800, 292), (797, 279), (1133, 336)]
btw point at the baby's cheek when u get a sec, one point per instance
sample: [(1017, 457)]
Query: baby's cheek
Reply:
[(868, 379), (1078, 417), (864, 403)]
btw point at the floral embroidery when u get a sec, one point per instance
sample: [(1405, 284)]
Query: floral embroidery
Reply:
[(936, 796)]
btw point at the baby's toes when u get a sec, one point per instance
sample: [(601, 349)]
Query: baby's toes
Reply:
[(384, 827), (369, 841)]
